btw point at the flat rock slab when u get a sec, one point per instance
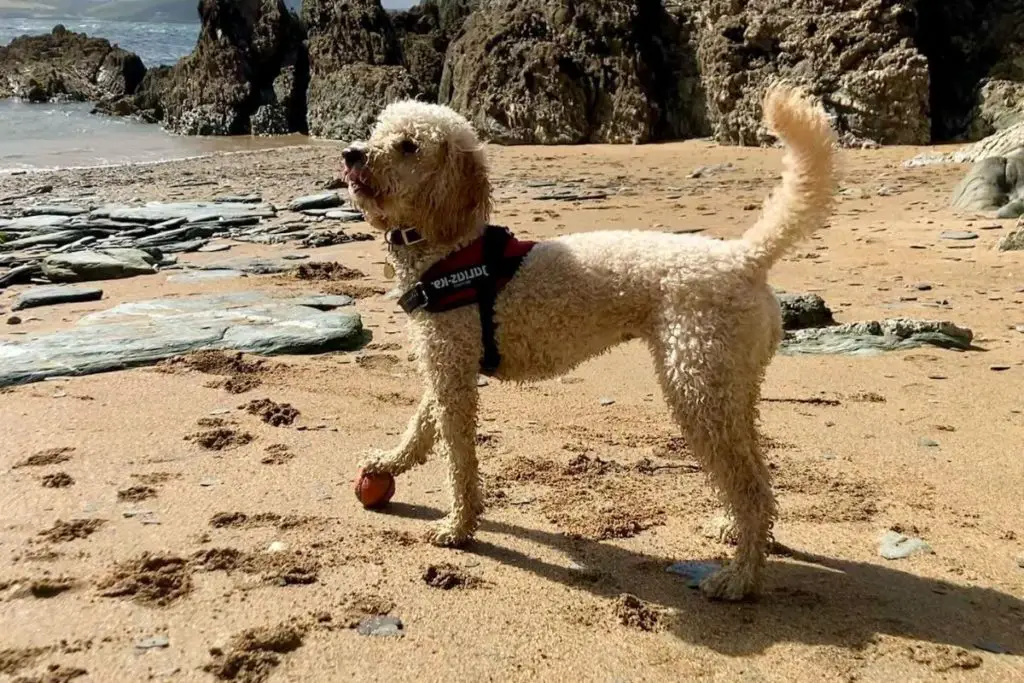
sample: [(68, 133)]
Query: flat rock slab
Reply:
[(37, 223), (958, 235), (192, 212), (873, 337), (322, 200), (145, 332), (106, 264), (255, 265), (896, 546), (206, 275), (54, 210), (49, 296)]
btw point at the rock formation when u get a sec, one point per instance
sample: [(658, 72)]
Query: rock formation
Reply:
[(63, 65), (567, 71), (857, 56), (246, 74)]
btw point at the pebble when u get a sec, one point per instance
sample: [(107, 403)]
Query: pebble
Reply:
[(607, 401), (381, 626), (896, 546), (277, 547), (208, 482), (998, 368), (923, 287), (1020, 560), (958, 235), (482, 381), (925, 442), (14, 320), (693, 571), (153, 643)]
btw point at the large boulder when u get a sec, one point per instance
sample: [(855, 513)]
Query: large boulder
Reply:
[(63, 65), (246, 74), (566, 71), (993, 183), (355, 66), (857, 56), (425, 31)]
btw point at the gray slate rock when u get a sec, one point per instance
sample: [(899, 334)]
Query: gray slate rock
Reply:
[(256, 265), (381, 626), (145, 332), (49, 296), (323, 200), (800, 311), (873, 337), (958, 235), (54, 210), (206, 275), (192, 212), (56, 238), (105, 264), (345, 216), (896, 546), (37, 223), (1014, 209)]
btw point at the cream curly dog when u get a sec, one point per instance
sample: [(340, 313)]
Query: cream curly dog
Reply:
[(703, 307)]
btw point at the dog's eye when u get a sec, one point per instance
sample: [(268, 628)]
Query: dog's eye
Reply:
[(408, 147)]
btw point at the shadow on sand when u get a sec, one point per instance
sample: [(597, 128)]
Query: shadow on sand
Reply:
[(807, 598)]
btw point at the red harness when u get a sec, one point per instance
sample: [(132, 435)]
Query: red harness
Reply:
[(472, 275)]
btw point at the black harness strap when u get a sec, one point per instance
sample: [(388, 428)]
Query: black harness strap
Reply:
[(495, 240)]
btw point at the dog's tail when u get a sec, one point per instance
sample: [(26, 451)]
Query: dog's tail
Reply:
[(803, 202)]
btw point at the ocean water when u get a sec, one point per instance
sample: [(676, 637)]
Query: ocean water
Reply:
[(47, 136)]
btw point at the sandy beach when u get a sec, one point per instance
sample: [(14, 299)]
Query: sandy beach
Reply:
[(154, 528)]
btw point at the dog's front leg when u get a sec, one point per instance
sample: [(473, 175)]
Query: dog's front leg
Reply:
[(415, 445), (455, 410)]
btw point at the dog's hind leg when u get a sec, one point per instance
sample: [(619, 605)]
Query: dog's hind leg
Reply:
[(415, 445), (713, 391)]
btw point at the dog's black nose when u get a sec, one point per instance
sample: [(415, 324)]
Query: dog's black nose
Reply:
[(353, 156)]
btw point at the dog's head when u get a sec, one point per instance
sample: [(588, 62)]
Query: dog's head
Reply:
[(423, 167)]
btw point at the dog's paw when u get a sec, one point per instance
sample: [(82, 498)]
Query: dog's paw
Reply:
[(447, 534), (729, 583), (378, 462)]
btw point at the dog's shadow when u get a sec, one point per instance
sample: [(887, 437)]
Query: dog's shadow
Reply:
[(807, 599)]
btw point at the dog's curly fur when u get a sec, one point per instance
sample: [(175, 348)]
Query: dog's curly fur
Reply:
[(703, 307)]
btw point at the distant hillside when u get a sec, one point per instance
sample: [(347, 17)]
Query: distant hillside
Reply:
[(176, 11)]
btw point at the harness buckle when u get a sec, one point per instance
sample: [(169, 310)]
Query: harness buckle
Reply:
[(414, 299)]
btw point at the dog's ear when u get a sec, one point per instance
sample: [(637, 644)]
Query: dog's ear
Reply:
[(459, 199)]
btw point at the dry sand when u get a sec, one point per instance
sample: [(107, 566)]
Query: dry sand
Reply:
[(566, 580)]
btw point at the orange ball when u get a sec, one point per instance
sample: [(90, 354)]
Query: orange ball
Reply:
[(374, 489)]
